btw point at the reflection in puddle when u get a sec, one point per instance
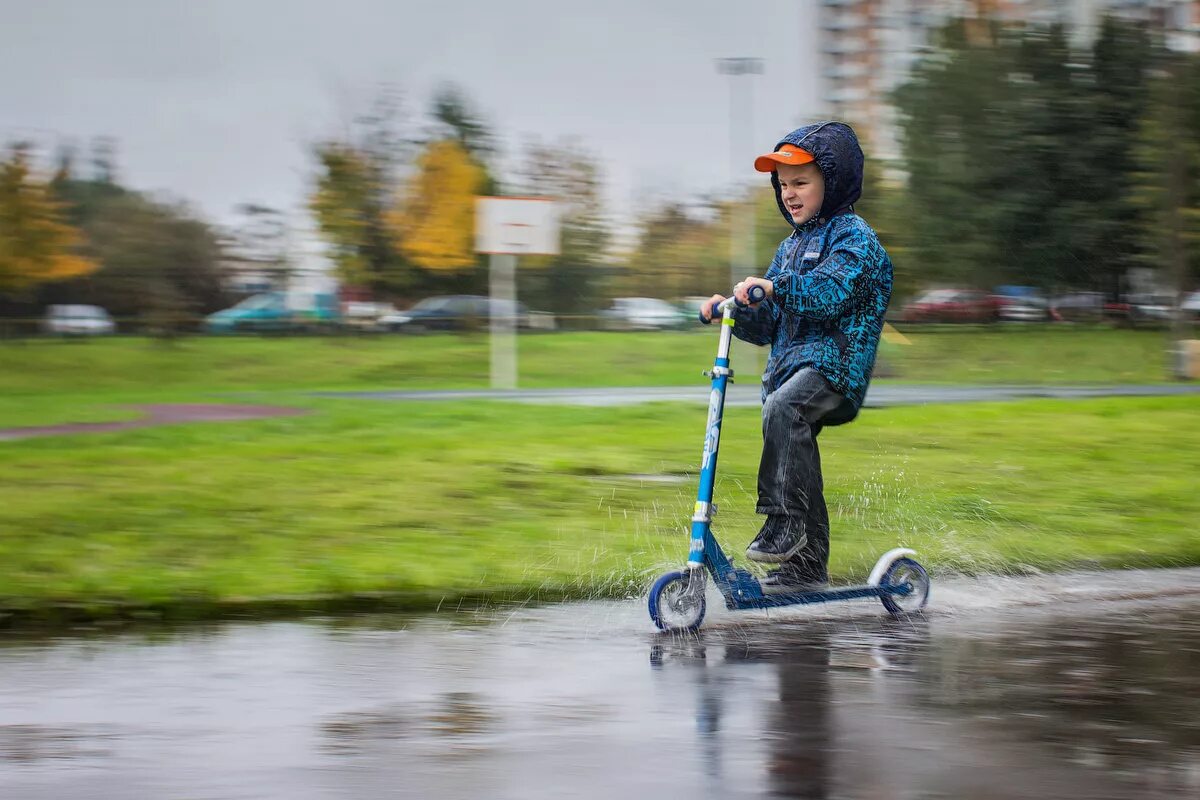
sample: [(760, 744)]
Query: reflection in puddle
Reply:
[(1018, 710), (34, 743), (453, 716)]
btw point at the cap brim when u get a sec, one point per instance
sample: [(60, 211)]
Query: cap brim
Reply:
[(770, 161)]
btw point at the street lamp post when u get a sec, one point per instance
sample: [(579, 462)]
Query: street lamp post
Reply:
[(741, 234), (741, 240)]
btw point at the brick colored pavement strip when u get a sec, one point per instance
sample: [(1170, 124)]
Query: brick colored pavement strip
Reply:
[(158, 414)]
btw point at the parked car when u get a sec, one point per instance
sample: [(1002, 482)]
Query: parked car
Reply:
[(1141, 310), (951, 305), (1151, 309), (277, 311), (642, 314), (78, 320), (1079, 306), (1191, 305), (460, 312), (365, 315), (1024, 308)]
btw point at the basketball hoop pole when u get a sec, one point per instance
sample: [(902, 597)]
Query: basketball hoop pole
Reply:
[(505, 227), (502, 286)]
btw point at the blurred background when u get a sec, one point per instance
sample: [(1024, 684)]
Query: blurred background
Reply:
[(262, 168)]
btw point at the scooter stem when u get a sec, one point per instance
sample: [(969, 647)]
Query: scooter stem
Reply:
[(721, 373)]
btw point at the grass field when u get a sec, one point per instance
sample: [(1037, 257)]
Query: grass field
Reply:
[(433, 502), (121, 368)]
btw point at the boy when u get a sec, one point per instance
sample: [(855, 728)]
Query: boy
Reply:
[(826, 291)]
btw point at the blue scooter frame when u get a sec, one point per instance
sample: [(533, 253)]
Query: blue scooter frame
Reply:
[(677, 598)]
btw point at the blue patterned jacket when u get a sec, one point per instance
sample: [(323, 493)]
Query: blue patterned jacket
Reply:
[(832, 278)]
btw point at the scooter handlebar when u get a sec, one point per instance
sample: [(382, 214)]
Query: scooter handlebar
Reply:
[(756, 294)]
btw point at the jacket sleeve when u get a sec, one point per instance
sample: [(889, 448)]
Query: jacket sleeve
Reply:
[(844, 279), (757, 325)]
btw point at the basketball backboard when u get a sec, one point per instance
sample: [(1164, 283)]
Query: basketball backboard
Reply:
[(516, 225)]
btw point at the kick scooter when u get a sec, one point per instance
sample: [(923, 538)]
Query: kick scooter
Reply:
[(677, 598)]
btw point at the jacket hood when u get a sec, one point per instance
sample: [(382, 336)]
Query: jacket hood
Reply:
[(835, 150)]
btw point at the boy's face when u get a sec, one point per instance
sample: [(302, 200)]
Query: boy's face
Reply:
[(802, 188)]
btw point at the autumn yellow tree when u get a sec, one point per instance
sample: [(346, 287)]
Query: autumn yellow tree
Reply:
[(436, 215), (350, 207), (36, 245)]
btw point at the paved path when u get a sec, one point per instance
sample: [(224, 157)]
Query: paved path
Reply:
[(881, 394)]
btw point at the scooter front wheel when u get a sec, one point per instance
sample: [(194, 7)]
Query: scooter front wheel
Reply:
[(906, 572), (677, 601)]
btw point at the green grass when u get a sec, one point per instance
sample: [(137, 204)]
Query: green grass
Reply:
[(439, 501), (36, 375)]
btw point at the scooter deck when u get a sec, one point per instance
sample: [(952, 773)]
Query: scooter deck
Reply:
[(748, 600)]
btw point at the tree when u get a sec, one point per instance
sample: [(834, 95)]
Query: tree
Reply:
[(157, 262), (356, 184), (570, 282), (259, 244), (680, 252), (951, 134), (457, 120), (884, 207), (436, 219), (1013, 146), (1122, 60), (37, 245), (349, 206), (1167, 181)]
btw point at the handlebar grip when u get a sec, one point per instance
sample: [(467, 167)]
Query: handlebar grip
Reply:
[(712, 312), (756, 294)]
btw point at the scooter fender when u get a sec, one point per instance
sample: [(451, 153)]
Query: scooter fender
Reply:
[(885, 561)]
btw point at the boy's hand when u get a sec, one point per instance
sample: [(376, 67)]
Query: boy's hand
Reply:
[(742, 290), (707, 307)]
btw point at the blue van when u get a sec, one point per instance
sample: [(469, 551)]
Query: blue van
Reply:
[(277, 311)]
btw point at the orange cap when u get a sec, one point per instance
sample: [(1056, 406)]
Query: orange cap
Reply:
[(788, 154)]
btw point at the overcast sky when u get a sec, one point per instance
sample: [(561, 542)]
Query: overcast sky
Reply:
[(217, 101)]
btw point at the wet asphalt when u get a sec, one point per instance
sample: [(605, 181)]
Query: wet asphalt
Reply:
[(1085, 685)]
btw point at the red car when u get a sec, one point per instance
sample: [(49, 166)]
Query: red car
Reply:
[(952, 305)]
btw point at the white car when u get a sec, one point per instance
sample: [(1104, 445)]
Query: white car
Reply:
[(642, 314), (366, 315), (1151, 308), (78, 320), (1023, 308)]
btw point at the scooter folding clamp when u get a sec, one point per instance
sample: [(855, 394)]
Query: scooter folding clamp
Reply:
[(717, 372)]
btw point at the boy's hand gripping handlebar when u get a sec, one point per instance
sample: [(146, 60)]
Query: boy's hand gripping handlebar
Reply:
[(756, 294)]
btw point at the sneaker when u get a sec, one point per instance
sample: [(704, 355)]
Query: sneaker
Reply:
[(788, 581), (781, 538)]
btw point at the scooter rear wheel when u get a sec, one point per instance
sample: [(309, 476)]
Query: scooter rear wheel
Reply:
[(905, 571), (676, 605)]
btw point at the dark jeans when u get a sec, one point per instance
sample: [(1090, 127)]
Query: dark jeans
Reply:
[(789, 475)]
